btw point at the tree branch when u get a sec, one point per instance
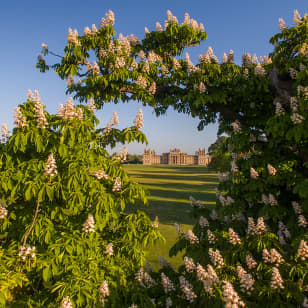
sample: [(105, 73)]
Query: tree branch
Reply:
[(33, 222), (282, 88), (225, 112), (54, 54)]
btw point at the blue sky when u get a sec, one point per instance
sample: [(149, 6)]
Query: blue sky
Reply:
[(244, 26)]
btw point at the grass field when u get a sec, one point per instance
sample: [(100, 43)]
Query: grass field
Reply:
[(170, 188)]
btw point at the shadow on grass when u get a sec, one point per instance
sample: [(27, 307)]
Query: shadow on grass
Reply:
[(170, 177), (170, 188), (169, 193), (167, 212)]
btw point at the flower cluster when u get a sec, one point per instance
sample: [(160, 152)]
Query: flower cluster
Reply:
[(66, 303), (293, 72), (40, 115), (89, 225), (190, 266), (216, 258), (203, 222), (279, 109), (19, 119), (153, 57), (191, 237), (167, 284), (171, 17), (238, 216), (117, 185), (5, 134), (271, 200), (283, 233), (141, 82), (125, 44), (282, 24), (119, 62), (211, 237), (155, 223), (51, 167), (223, 176), (259, 70), (70, 80), (231, 298), (230, 58), (272, 256), (265, 60), (122, 155), (271, 170), (25, 251), (69, 111), (176, 64), (187, 289), (246, 60), (139, 276), (93, 68), (104, 289), (261, 227), (208, 278), (109, 249), (146, 67), (234, 239), (251, 262), (297, 208), (143, 276), (114, 122), (234, 167), (276, 281), (224, 58), (297, 118), (190, 65), (256, 229), (72, 37), (139, 119), (208, 57), (202, 87), (213, 215), (91, 105), (253, 173), (294, 104), (302, 222), (107, 20), (302, 252), (178, 229), (195, 203), (158, 26), (246, 280), (3, 211), (152, 88), (99, 174), (149, 281)]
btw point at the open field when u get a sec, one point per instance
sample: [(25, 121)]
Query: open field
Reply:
[(170, 188)]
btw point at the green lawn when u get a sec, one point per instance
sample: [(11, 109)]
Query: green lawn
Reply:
[(170, 188)]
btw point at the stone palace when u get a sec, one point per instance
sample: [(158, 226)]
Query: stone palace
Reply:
[(175, 157)]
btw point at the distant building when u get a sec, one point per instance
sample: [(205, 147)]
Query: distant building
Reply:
[(176, 157)]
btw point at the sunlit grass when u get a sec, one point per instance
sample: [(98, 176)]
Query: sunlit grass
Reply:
[(170, 188)]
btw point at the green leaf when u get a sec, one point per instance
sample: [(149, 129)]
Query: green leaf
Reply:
[(46, 273)]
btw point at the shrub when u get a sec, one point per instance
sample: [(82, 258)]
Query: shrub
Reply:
[(65, 239)]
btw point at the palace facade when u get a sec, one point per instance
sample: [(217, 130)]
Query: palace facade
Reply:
[(175, 157)]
